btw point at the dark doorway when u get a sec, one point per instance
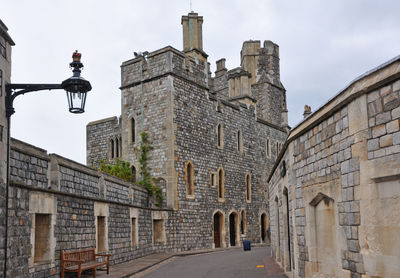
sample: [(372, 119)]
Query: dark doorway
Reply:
[(287, 220), (217, 229), (232, 229), (263, 221)]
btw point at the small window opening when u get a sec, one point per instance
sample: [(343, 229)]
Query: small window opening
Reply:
[(42, 237), (133, 231), (158, 230), (101, 233)]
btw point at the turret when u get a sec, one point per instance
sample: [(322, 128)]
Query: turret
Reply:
[(192, 26)]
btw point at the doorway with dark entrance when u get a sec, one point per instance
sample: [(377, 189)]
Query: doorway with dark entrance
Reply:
[(218, 222), (233, 233)]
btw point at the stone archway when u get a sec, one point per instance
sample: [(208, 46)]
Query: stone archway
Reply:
[(218, 229)]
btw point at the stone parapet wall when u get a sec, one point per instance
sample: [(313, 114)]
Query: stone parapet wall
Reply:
[(73, 196)]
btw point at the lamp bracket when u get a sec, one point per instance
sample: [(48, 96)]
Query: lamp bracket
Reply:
[(14, 90)]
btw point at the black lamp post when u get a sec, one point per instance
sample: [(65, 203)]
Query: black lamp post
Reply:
[(76, 88)]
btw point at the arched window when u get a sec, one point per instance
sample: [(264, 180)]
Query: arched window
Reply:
[(117, 147), (221, 186), (133, 133), (133, 168), (220, 136), (239, 141), (248, 187), (189, 178), (267, 148), (112, 148)]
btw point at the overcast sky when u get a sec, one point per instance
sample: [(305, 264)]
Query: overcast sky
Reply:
[(323, 46)]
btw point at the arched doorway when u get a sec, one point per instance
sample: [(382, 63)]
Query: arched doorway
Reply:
[(233, 229), (264, 227), (218, 222)]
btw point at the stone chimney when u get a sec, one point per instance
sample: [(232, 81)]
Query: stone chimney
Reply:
[(307, 111), (192, 26)]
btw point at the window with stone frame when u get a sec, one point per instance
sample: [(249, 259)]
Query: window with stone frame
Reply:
[(248, 187), (268, 147), (220, 136), (221, 184), (112, 148), (239, 142), (133, 130), (189, 178), (3, 51), (42, 237), (213, 179), (1, 133)]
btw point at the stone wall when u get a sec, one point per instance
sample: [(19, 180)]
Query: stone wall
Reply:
[(73, 196), (338, 217)]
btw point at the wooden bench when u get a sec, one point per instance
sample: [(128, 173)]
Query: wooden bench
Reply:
[(81, 260)]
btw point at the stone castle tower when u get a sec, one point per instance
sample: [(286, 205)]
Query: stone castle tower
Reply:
[(215, 139)]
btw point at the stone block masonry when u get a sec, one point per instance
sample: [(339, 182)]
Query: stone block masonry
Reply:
[(343, 167)]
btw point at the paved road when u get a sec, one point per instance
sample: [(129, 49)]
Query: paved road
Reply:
[(232, 263)]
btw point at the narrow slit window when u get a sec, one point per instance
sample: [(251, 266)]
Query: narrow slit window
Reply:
[(189, 178), (248, 187), (112, 148), (221, 184), (220, 136), (117, 147), (133, 130)]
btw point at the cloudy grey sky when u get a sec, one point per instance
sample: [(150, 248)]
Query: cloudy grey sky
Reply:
[(323, 46)]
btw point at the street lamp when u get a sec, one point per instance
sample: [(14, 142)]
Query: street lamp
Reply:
[(76, 88)]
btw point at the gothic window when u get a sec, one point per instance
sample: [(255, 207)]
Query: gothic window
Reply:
[(189, 178), (117, 147), (239, 141), (221, 184), (268, 148), (133, 133), (112, 148), (220, 136), (248, 187)]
